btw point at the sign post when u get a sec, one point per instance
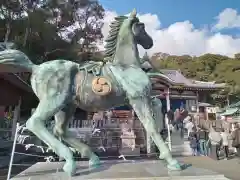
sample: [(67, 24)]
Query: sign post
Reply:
[(13, 151), (169, 134)]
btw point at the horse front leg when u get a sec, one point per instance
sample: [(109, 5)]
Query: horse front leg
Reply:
[(144, 110), (159, 118)]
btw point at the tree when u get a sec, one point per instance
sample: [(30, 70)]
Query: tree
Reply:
[(237, 56), (47, 30), (208, 67)]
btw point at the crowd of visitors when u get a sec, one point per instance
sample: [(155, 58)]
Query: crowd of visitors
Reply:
[(208, 142), (205, 142)]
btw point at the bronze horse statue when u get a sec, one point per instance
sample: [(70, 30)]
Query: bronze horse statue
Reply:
[(62, 85)]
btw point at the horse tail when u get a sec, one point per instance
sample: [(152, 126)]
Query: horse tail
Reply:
[(17, 59)]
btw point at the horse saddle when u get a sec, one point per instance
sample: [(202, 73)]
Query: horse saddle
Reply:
[(100, 84)]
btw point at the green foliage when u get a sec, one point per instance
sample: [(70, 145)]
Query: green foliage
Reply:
[(208, 67), (52, 29)]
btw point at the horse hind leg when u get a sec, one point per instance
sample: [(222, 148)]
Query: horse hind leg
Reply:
[(61, 130), (45, 110)]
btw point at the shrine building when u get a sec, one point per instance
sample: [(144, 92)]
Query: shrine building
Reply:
[(175, 90), (16, 100)]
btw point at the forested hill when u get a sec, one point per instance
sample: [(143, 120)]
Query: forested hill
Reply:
[(208, 67)]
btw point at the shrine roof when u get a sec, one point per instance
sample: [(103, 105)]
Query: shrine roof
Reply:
[(229, 111), (175, 77), (17, 81), (234, 105)]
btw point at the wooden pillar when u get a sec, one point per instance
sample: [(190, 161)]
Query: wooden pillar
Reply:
[(197, 108), (167, 120), (197, 96), (206, 113), (16, 117)]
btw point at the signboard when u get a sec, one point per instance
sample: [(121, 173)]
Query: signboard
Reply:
[(211, 109)]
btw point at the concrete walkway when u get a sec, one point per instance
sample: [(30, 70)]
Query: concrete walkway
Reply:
[(230, 168), (180, 147)]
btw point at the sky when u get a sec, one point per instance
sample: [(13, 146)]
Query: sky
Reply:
[(180, 27)]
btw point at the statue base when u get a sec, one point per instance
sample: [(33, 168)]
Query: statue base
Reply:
[(117, 170), (126, 151)]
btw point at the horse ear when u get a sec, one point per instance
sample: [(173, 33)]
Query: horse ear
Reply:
[(133, 13)]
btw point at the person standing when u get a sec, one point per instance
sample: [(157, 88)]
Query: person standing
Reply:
[(236, 138), (170, 116), (176, 118), (202, 142), (214, 142), (193, 143), (189, 126), (206, 142), (183, 115), (225, 137)]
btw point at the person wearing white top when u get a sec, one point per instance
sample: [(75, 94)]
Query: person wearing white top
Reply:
[(225, 137), (189, 126)]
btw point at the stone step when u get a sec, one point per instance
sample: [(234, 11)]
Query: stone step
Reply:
[(180, 146)]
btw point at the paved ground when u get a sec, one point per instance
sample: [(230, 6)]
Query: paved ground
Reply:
[(230, 168)]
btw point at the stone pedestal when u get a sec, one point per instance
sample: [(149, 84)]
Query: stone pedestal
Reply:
[(117, 170), (128, 139)]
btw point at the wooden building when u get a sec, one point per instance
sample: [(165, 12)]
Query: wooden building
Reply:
[(175, 90), (16, 97)]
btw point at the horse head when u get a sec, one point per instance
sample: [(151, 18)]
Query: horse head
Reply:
[(124, 36), (140, 35)]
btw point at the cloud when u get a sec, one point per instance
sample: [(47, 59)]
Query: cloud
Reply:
[(181, 38), (228, 18)]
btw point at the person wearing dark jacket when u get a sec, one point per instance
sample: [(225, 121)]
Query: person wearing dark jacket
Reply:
[(236, 139), (193, 143)]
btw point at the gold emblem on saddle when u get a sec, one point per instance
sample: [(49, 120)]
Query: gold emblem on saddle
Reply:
[(101, 86)]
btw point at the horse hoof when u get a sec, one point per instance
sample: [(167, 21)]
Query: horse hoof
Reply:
[(94, 162), (174, 166), (70, 168), (57, 131), (161, 157)]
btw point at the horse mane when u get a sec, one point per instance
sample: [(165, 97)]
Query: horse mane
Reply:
[(111, 40)]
